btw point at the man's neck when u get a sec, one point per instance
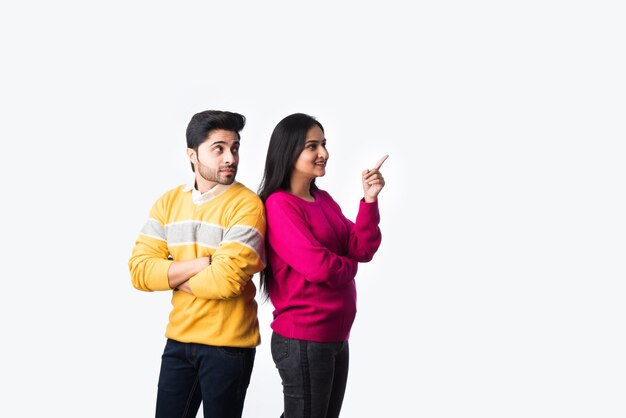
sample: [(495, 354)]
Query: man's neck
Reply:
[(204, 186)]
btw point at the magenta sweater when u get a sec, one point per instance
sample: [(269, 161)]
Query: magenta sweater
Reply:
[(313, 251)]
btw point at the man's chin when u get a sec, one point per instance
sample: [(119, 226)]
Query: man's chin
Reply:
[(227, 180)]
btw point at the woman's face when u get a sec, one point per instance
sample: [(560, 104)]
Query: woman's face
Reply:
[(312, 160)]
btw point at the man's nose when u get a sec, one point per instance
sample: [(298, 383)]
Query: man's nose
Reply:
[(228, 155)]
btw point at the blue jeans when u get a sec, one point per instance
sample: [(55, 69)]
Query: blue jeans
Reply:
[(193, 373), (314, 376)]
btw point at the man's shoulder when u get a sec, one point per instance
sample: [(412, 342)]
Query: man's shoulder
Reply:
[(241, 193), (243, 189), (175, 192)]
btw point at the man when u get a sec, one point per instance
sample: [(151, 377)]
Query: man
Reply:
[(205, 241)]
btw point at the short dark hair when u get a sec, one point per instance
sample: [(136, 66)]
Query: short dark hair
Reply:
[(286, 144), (204, 122)]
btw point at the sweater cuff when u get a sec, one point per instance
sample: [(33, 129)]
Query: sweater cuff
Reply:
[(161, 282), (197, 286), (370, 209)]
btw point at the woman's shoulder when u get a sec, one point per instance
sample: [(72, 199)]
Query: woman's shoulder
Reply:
[(326, 199), (322, 193), (277, 196), (324, 196), (280, 198)]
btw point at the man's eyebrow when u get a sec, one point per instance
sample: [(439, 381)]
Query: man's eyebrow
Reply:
[(236, 142)]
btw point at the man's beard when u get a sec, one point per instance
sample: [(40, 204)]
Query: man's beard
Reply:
[(215, 176)]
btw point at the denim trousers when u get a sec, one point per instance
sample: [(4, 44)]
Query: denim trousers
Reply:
[(313, 374), (217, 377)]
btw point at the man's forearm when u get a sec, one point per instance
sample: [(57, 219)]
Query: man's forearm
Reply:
[(180, 271)]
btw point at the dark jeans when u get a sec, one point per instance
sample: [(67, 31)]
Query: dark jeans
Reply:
[(314, 376), (193, 373)]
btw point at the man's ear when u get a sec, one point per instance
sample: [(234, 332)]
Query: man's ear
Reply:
[(193, 156)]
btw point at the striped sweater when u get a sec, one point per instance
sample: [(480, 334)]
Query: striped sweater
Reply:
[(229, 225)]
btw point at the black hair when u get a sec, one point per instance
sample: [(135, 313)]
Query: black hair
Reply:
[(286, 144), (204, 122)]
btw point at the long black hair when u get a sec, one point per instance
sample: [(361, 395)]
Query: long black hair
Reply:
[(286, 144)]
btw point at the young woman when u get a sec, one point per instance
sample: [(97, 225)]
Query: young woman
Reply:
[(312, 253)]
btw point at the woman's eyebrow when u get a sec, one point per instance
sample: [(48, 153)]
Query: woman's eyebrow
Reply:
[(314, 141)]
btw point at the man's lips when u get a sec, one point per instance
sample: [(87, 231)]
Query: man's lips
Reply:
[(229, 170)]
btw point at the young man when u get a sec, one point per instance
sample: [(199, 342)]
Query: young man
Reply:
[(204, 242)]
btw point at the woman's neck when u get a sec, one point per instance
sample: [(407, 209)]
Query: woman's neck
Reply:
[(301, 188)]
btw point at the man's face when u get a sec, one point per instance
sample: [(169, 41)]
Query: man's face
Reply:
[(216, 160)]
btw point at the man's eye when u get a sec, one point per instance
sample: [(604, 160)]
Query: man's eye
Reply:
[(218, 149)]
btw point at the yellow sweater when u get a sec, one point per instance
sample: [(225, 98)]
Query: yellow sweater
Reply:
[(230, 227)]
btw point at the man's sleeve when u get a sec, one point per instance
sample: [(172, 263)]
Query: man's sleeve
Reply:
[(239, 256), (149, 262)]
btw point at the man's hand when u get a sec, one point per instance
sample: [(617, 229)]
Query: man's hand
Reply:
[(181, 271), (185, 287)]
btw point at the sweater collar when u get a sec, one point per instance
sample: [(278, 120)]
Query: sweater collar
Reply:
[(200, 198)]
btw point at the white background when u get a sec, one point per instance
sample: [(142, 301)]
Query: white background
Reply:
[(498, 290)]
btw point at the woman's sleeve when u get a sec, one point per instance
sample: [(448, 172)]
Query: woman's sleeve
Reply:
[(365, 236), (289, 234)]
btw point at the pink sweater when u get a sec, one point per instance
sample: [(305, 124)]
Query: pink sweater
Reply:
[(314, 253)]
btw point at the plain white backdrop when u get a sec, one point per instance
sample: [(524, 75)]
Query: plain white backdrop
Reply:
[(499, 287)]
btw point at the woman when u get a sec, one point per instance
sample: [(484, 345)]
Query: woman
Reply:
[(313, 252)]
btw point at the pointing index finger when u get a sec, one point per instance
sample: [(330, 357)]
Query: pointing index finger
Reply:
[(380, 162)]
